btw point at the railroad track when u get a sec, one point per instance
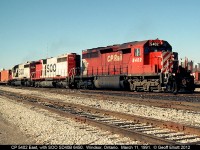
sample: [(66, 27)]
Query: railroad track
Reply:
[(146, 130), (195, 97), (116, 96), (179, 105), (149, 95)]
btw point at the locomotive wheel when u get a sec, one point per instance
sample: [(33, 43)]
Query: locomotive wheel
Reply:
[(169, 88), (132, 87), (92, 87), (174, 88)]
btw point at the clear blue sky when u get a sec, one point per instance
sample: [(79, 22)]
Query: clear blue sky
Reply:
[(35, 29)]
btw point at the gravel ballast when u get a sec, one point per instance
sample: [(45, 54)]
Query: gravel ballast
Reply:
[(48, 128), (180, 116)]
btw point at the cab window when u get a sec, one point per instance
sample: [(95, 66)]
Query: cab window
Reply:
[(146, 50), (137, 52)]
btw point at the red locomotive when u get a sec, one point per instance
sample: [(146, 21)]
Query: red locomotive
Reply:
[(54, 71), (138, 66)]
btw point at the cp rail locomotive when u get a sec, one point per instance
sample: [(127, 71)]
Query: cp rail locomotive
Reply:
[(148, 65)]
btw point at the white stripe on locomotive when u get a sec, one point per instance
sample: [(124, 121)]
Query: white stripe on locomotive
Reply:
[(167, 63)]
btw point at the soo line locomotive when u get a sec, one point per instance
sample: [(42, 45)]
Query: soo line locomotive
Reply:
[(148, 65)]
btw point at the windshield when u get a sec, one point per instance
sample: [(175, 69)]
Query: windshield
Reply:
[(157, 46)]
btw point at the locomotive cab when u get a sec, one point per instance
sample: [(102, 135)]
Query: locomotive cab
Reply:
[(21, 75), (158, 53), (164, 61)]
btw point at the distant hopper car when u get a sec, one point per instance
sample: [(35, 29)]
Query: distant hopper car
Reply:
[(197, 78), (5, 76)]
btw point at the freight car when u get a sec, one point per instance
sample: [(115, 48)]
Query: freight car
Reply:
[(5, 76), (149, 65), (197, 79)]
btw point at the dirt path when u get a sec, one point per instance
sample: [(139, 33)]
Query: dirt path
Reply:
[(9, 134)]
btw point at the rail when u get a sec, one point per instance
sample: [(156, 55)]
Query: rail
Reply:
[(131, 126)]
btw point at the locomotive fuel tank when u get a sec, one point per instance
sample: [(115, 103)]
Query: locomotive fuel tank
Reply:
[(109, 82), (46, 84), (61, 84), (17, 83)]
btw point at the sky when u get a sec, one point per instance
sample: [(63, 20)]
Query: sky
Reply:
[(37, 29)]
